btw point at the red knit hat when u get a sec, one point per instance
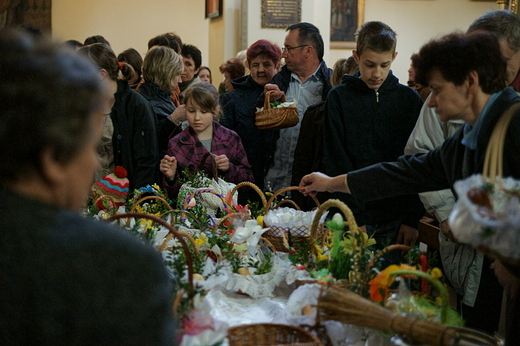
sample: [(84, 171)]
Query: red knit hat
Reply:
[(115, 185)]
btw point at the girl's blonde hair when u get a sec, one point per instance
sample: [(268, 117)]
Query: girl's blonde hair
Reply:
[(205, 96), (161, 64)]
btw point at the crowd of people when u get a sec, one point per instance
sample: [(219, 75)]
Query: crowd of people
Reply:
[(86, 110)]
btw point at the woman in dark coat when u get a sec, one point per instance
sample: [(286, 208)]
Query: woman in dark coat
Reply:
[(130, 136)]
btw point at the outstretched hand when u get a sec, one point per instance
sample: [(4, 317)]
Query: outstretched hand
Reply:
[(313, 183)]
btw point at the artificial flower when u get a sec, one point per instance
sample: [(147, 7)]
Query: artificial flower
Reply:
[(436, 273), (203, 239), (379, 285)]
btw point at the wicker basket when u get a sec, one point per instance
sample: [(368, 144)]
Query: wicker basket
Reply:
[(270, 334), (276, 118), (254, 187), (280, 236)]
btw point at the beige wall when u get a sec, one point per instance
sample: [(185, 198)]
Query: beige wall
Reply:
[(131, 23), (417, 21)]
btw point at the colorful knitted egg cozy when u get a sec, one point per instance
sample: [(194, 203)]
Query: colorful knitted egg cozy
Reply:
[(114, 185)]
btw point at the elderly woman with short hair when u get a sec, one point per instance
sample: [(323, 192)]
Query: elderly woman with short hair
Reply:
[(263, 59)]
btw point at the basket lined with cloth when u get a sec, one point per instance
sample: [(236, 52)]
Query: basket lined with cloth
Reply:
[(216, 188), (276, 118), (288, 226), (487, 213)]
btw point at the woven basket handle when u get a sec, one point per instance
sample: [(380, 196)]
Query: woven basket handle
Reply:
[(267, 99), (285, 189), (213, 164), (493, 162), (254, 187)]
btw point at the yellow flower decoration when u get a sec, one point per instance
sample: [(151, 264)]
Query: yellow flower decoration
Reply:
[(346, 243), (203, 239), (368, 240), (322, 257), (140, 209), (155, 186), (148, 225), (319, 253), (436, 273)]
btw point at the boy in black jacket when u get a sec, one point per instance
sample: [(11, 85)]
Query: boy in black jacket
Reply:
[(368, 119)]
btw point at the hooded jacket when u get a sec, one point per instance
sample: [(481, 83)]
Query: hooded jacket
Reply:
[(363, 127)]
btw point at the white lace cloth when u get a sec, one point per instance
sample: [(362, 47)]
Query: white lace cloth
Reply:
[(498, 229), (259, 286), (284, 307), (289, 217)]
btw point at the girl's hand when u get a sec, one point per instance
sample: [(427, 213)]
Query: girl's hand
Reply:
[(222, 162), (168, 166)]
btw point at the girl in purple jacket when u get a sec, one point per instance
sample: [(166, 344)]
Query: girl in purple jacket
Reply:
[(204, 135)]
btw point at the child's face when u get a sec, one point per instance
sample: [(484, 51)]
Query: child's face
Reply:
[(200, 120), (374, 66)]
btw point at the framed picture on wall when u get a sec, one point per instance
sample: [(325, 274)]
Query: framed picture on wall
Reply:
[(213, 8), (346, 16)]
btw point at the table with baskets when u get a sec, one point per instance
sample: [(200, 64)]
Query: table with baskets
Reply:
[(275, 315)]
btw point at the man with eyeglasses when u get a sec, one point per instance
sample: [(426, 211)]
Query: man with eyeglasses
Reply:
[(305, 79)]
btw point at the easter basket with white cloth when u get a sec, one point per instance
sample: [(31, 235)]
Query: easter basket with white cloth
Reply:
[(289, 225), (211, 201), (487, 213)]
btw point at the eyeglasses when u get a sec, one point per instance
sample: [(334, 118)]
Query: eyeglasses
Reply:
[(286, 49)]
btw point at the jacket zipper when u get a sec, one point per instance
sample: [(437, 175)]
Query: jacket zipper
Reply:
[(377, 96)]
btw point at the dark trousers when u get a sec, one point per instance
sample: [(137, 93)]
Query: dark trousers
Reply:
[(384, 235), (485, 314)]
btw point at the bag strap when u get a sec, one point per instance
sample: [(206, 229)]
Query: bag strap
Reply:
[(493, 162), (213, 164)]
